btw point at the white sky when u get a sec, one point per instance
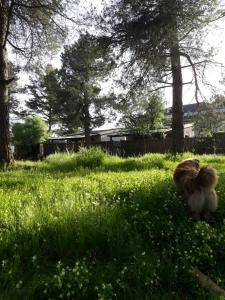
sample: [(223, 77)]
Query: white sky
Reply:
[(216, 39)]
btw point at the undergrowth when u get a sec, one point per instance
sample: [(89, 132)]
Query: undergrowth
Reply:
[(93, 226)]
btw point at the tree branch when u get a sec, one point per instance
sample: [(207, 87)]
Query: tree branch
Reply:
[(195, 64), (187, 56), (186, 34), (207, 283), (165, 82), (15, 47), (7, 81), (8, 22), (31, 6), (160, 88)]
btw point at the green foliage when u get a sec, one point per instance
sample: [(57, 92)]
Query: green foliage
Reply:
[(37, 29), (43, 89), (32, 131), (118, 231), (30, 29), (80, 103), (134, 26), (144, 115), (62, 161), (90, 158), (153, 38), (69, 282), (208, 119), (94, 157)]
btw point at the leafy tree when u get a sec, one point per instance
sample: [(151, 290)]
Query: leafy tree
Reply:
[(29, 28), (33, 131), (153, 37), (81, 104), (28, 135), (44, 91), (145, 115), (209, 118)]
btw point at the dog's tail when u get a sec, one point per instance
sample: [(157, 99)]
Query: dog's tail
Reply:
[(207, 177)]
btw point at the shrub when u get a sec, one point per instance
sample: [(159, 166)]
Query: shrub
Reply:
[(32, 131), (90, 157), (62, 161), (28, 134), (86, 158)]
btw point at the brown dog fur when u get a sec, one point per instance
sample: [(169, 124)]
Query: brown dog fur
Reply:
[(197, 185)]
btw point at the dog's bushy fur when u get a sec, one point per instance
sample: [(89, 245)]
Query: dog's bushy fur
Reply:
[(197, 185)]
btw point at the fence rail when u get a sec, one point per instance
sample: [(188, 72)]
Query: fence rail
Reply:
[(145, 145)]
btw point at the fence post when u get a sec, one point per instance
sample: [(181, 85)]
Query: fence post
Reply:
[(214, 145)]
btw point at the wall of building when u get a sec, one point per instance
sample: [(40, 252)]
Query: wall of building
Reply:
[(189, 132), (106, 138)]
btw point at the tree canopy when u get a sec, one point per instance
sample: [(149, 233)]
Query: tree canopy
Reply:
[(145, 114), (34, 27), (156, 39), (29, 28), (32, 131), (209, 117), (43, 89), (81, 103)]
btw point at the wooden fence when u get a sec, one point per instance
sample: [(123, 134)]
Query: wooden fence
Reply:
[(145, 145)]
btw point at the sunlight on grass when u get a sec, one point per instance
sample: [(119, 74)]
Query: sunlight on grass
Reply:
[(93, 226)]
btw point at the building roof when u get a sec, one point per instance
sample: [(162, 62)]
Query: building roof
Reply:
[(114, 132), (166, 130), (98, 132)]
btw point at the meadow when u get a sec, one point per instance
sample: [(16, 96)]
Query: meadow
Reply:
[(94, 226)]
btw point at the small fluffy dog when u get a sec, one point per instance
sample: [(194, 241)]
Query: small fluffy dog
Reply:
[(197, 185)]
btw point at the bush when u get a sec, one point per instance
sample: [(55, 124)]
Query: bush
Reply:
[(86, 158), (90, 157), (62, 161), (29, 134), (32, 131)]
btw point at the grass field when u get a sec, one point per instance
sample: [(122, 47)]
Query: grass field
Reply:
[(92, 226)]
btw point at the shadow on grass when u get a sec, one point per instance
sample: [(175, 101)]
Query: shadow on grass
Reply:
[(20, 179), (11, 183), (112, 228), (132, 229)]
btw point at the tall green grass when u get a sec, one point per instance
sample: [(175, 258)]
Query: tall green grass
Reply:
[(93, 226)]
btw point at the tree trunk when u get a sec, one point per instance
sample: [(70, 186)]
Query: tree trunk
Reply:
[(49, 127), (5, 153), (177, 107), (50, 121), (87, 125), (207, 283)]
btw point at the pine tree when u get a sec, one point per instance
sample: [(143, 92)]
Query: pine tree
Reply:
[(29, 28), (154, 40), (81, 104), (43, 88)]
